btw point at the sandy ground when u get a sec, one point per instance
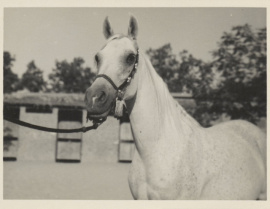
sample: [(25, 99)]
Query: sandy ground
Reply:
[(73, 181)]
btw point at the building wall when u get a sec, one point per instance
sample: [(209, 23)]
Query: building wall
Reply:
[(101, 145), (111, 142), (34, 145)]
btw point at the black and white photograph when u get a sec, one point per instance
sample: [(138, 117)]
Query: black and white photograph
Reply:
[(135, 103)]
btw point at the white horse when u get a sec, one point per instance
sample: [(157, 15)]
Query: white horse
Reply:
[(175, 157)]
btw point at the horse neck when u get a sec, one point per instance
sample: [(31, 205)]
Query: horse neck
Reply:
[(156, 116)]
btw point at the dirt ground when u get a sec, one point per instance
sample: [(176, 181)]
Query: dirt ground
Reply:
[(66, 181)]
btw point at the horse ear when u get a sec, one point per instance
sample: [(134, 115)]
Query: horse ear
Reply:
[(133, 27), (107, 30)]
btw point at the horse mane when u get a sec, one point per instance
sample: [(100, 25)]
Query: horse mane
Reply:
[(168, 107)]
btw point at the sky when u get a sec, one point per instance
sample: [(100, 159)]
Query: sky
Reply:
[(49, 34)]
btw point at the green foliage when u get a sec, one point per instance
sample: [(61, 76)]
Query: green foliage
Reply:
[(10, 79), (71, 77), (234, 84), (32, 79)]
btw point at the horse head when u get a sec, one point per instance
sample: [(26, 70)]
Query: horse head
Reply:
[(116, 64)]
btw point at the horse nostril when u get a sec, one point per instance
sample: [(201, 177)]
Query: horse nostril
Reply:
[(101, 97)]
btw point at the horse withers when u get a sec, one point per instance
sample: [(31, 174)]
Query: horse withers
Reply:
[(175, 158)]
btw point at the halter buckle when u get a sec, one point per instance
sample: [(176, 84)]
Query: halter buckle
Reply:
[(120, 94)]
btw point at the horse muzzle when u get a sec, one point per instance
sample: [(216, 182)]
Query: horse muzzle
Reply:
[(99, 99)]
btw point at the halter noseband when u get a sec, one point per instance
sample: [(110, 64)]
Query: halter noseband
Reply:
[(120, 92)]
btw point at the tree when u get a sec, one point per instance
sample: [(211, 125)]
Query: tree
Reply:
[(10, 79), (197, 78), (166, 64), (234, 84), (71, 77), (241, 62), (182, 74), (32, 79), (185, 73)]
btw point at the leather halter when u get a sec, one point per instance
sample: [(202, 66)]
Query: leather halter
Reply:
[(120, 89)]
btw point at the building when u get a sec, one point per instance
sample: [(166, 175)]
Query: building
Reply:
[(111, 142)]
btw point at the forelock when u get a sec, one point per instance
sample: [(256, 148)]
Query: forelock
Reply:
[(120, 36)]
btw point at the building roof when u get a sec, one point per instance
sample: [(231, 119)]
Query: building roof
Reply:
[(181, 95), (69, 99), (45, 99)]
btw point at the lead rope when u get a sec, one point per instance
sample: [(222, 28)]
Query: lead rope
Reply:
[(42, 128)]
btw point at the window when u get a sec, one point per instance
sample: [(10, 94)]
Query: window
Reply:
[(10, 145), (69, 145), (126, 143), (39, 109)]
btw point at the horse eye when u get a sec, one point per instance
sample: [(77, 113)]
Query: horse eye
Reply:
[(131, 59)]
